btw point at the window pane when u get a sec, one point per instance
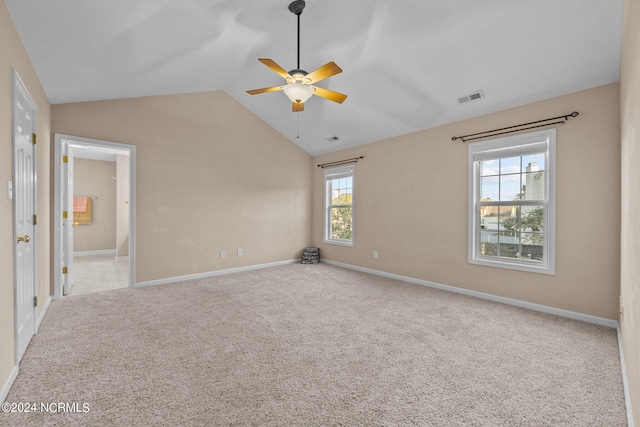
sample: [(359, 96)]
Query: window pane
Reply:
[(490, 167), (537, 159), (341, 223), (532, 246), (534, 183), (509, 245), (532, 218), (341, 191), (508, 219), (510, 187), (488, 243), (489, 217), (335, 196), (510, 165), (489, 188)]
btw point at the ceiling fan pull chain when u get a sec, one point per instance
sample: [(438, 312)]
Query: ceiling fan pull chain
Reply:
[(298, 132)]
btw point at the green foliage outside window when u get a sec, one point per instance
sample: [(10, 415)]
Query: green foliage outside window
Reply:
[(341, 217)]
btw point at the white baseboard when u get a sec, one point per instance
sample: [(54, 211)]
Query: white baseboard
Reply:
[(122, 258), (8, 383), (625, 379), (44, 311), (213, 273), (97, 252), (510, 301)]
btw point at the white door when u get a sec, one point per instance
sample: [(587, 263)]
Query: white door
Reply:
[(67, 223), (24, 211)]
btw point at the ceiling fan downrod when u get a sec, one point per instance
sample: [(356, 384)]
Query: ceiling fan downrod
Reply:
[(296, 7)]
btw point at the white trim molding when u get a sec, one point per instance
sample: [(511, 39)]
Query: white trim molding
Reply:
[(625, 379), (213, 273), (96, 252), (44, 312), (8, 383), (602, 321)]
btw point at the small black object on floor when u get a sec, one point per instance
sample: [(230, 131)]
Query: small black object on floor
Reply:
[(310, 255)]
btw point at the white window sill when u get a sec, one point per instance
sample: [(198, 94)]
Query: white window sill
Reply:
[(521, 266), (339, 242)]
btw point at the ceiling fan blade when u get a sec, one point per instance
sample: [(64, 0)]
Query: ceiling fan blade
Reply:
[(264, 90), (327, 70), (275, 67), (297, 107), (329, 94)]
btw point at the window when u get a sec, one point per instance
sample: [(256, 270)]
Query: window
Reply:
[(339, 205), (512, 202)]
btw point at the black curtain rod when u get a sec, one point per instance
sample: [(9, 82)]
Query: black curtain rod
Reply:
[(341, 162), (496, 132)]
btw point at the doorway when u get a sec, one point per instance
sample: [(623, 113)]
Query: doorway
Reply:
[(98, 230)]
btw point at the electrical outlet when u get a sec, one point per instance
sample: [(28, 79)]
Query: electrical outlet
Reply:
[(621, 309), (223, 254), (375, 254), (239, 252)]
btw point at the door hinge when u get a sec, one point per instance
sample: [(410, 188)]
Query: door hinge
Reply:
[(35, 137), (65, 214), (35, 301), (35, 219), (65, 270), (65, 159)]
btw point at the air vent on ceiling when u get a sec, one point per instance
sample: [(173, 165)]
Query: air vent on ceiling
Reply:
[(333, 138), (471, 97)]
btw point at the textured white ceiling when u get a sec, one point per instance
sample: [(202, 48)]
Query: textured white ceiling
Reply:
[(405, 62)]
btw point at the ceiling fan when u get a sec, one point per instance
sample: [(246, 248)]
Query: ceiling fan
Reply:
[(299, 83)]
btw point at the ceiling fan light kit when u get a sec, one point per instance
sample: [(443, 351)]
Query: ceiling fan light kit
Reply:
[(299, 83), (298, 92)]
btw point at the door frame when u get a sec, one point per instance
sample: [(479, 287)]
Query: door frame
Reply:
[(18, 84), (59, 140)]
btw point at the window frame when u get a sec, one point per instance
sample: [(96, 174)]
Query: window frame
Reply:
[(331, 174), (506, 147)]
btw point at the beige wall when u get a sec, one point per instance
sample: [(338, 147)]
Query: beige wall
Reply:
[(94, 178), (411, 206), (211, 176), (14, 55), (630, 241)]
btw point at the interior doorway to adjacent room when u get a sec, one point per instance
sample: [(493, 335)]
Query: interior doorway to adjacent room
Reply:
[(94, 215)]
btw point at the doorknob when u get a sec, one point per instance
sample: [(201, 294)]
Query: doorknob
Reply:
[(24, 238)]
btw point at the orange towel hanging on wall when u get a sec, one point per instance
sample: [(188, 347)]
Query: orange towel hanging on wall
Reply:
[(82, 217), (80, 204)]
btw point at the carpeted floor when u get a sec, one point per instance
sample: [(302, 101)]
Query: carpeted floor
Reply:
[(314, 345), (98, 273)]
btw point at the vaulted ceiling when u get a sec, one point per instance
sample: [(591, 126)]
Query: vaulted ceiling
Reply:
[(405, 62)]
